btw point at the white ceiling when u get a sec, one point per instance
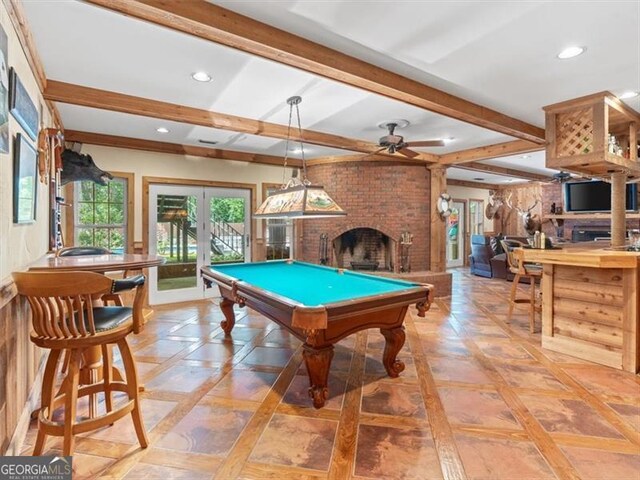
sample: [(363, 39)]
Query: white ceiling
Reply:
[(480, 177), (499, 54), (154, 62), (496, 53)]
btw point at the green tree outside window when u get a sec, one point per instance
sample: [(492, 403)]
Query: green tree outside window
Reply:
[(100, 214)]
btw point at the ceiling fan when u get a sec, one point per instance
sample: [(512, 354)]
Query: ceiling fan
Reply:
[(561, 177), (393, 143)]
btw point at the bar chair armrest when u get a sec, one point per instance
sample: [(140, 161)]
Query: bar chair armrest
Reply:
[(129, 283), (138, 283)]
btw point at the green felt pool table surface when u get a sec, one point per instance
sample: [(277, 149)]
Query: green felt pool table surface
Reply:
[(309, 284)]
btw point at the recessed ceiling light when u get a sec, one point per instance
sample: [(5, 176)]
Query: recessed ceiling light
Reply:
[(478, 179), (571, 52), (448, 139), (201, 77), (525, 156), (162, 130), (629, 94)]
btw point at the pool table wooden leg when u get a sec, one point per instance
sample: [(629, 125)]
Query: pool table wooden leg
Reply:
[(394, 341), (318, 362), (226, 306)]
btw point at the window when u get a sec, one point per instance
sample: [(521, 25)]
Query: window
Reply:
[(476, 216), (278, 234), (100, 214)]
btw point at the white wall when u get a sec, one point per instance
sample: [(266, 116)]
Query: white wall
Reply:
[(150, 164), (20, 244), (466, 193)]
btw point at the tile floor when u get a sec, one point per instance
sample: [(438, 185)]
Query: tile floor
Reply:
[(479, 399)]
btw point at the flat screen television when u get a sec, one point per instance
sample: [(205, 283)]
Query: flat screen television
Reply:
[(595, 196)]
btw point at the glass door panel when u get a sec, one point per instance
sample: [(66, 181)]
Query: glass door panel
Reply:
[(229, 225), (455, 235), (191, 227), (174, 235)]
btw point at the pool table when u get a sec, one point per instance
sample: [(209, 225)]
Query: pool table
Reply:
[(320, 306)]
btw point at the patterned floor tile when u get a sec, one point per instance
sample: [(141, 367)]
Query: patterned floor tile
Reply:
[(206, 429), (599, 379), (566, 415), (159, 472), (529, 376), (458, 370), (215, 352), (393, 398), (123, 432), (181, 378), (268, 356), (630, 413), (474, 407), (298, 392), (244, 385), (403, 454), (489, 458), (163, 349), (296, 441), (602, 465)]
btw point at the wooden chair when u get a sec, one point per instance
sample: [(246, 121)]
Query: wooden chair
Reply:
[(64, 318), (522, 270)]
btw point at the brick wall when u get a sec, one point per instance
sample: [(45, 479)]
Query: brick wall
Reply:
[(384, 196)]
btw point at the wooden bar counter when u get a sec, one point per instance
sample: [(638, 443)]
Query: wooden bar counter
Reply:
[(590, 303)]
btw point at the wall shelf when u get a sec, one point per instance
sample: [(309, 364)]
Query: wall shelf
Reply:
[(588, 216)]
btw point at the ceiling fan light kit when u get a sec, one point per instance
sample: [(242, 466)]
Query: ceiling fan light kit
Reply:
[(298, 198)]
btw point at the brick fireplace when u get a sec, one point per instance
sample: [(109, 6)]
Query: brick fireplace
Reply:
[(382, 200), (364, 249)]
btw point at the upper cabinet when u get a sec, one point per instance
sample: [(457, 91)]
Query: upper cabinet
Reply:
[(594, 135)]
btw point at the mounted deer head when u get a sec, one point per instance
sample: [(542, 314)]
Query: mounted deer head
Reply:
[(496, 201), (531, 221)]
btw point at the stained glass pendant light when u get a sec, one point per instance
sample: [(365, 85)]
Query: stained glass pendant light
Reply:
[(298, 198)]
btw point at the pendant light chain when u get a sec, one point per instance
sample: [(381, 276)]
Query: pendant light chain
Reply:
[(304, 162), (286, 146)]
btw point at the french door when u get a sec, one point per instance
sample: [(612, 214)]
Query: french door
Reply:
[(456, 235), (192, 226)]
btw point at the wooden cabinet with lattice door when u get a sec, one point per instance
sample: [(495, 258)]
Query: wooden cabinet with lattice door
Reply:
[(580, 136)]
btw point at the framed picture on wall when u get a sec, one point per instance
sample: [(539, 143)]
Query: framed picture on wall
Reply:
[(4, 92), (25, 183), (21, 106)]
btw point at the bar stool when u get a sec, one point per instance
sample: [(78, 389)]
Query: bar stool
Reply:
[(64, 318), (520, 269), (92, 250)]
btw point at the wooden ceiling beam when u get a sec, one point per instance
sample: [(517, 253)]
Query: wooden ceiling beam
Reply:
[(214, 23), (507, 172), (466, 183), (363, 158), (174, 148), (119, 102), (488, 152)]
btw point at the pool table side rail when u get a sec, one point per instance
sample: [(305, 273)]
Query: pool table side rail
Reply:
[(317, 317)]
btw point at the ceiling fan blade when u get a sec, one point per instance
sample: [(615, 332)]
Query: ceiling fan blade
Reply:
[(408, 153), (427, 143)]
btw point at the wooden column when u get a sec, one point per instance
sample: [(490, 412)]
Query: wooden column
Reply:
[(437, 240), (618, 207)]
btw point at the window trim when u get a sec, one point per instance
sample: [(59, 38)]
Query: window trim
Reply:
[(69, 213)]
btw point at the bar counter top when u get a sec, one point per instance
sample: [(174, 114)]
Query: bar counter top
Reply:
[(582, 256)]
